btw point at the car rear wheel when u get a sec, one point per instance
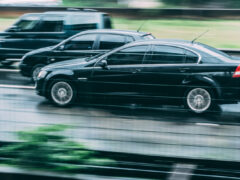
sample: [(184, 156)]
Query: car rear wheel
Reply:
[(35, 71), (199, 100), (62, 93)]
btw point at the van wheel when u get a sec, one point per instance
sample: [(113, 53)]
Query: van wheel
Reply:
[(199, 100), (36, 70), (62, 92)]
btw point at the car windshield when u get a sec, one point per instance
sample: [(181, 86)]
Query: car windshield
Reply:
[(28, 22)]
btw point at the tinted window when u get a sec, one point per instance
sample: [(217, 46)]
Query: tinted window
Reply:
[(191, 57), (109, 41), (51, 24), (83, 21), (84, 42), (107, 22), (165, 55), (131, 55)]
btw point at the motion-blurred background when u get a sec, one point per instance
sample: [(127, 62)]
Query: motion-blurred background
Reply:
[(130, 3), (223, 32)]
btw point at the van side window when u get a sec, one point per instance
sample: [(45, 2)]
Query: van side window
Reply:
[(51, 24), (107, 22)]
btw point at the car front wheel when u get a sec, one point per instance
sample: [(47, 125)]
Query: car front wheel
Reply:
[(62, 93), (35, 71), (199, 100)]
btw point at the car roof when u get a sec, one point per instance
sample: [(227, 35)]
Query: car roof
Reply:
[(73, 12), (117, 31), (177, 42)]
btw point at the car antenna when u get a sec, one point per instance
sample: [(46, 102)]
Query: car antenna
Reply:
[(141, 26), (199, 36)]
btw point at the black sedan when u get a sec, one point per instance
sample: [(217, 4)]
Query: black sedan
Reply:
[(84, 44), (169, 71)]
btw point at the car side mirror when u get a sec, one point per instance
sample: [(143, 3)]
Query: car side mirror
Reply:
[(104, 64), (61, 47)]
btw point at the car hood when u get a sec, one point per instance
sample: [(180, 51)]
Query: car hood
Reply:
[(80, 62), (39, 50)]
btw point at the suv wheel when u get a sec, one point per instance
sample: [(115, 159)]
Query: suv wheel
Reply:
[(62, 93), (35, 71), (199, 100)]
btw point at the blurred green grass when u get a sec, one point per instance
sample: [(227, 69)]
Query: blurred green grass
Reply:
[(222, 33)]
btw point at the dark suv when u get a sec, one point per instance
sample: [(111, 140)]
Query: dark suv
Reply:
[(85, 44), (37, 30)]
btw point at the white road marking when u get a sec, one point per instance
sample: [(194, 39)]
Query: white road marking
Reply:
[(9, 70), (182, 172), (207, 124), (16, 86)]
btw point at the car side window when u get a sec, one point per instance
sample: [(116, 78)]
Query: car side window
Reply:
[(127, 56), (111, 41), (191, 57), (163, 54), (52, 23), (84, 42)]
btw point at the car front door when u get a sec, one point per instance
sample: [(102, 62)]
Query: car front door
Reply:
[(119, 77), (78, 47)]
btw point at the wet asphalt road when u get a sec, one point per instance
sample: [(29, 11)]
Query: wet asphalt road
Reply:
[(161, 130)]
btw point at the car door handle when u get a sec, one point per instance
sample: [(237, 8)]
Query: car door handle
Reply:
[(182, 70), (136, 71)]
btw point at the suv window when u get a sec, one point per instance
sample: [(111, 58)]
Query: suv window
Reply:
[(107, 22), (51, 24), (111, 41), (131, 55), (83, 42), (28, 23), (83, 22), (163, 54)]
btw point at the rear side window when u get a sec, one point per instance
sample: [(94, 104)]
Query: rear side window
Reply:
[(51, 23), (84, 42), (111, 41), (165, 55), (127, 56)]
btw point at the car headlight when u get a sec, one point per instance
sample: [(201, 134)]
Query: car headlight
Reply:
[(42, 74)]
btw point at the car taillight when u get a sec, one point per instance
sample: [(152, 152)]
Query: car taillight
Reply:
[(236, 74)]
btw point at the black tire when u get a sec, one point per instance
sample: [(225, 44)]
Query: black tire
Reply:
[(199, 100), (35, 70), (62, 92)]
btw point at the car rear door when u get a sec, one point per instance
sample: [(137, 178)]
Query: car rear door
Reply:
[(164, 71)]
